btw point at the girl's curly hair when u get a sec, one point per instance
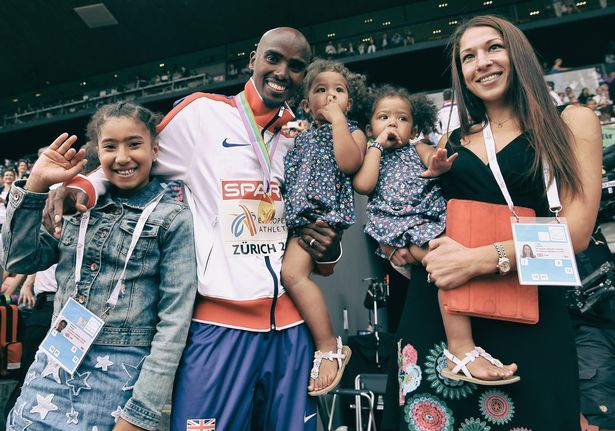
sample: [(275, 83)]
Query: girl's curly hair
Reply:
[(355, 82), (423, 110)]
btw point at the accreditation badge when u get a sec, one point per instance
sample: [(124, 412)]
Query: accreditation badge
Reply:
[(71, 335), (544, 252)]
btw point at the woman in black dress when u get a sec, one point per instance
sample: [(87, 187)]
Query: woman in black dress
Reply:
[(497, 78)]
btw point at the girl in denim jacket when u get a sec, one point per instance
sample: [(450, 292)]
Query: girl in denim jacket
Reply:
[(127, 375)]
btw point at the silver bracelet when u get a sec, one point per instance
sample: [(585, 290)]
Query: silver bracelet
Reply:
[(376, 145)]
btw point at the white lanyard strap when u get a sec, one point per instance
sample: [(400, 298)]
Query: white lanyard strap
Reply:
[(495, 167), (80, 245), (551, 186), (119, 287), (552, 195)]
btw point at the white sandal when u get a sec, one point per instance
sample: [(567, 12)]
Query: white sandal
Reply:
[(342, 355), (461, 365)]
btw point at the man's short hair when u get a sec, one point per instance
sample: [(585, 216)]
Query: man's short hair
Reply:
[(447, 94)]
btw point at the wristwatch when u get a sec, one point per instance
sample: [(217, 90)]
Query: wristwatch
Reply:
[(376, 145), (503, 260)]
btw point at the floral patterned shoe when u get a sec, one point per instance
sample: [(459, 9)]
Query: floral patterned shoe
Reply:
[(461, 365), (342, 356)]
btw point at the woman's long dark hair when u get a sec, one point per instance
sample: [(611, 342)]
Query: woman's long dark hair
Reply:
[(527, 92)]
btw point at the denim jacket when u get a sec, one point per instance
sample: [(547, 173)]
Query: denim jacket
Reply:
[(160, 281)]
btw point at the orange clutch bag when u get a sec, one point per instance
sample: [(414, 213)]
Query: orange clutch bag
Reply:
[(475, 224)]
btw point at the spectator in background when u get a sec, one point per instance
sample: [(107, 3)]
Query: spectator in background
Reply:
[(361, 48), (557, 65), (602, 97), (447, 118), (350, 51), (341, 49), (585, 96), (593, 105), (396, 40), (385, 41), (330, 50), (554, 96), (569, 6), (570, 98), (8, 176), (372, 45), (409, 39), (232, 71), (22, 170), (557, 7)]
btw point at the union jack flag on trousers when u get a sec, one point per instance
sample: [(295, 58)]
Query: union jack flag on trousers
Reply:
[(201, 425)]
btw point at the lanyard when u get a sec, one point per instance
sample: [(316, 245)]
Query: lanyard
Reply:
[(551, 186), (264, 151), (119, 287)]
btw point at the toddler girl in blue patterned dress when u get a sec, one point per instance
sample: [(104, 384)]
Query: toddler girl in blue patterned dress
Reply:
[(406, 207), (318, 186)]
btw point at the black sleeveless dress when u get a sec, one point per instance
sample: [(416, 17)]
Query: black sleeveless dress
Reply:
[(546, 398)]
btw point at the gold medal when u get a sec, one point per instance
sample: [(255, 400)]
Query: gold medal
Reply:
[(266, 209)]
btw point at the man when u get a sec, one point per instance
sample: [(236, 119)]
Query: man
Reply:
[(448, 117), (248, 356)]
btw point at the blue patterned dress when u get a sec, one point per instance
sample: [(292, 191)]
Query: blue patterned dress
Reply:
[(315, 188), (404, 208)]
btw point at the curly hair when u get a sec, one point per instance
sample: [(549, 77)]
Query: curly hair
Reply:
[(122, 109), (354, 82), (423, 110)]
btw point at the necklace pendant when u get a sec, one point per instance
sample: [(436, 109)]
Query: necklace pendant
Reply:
[(500, 125)]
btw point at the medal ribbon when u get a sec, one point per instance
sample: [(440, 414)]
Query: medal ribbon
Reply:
[(264, 151)]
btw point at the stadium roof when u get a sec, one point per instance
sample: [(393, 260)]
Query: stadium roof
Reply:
[(48, 42)]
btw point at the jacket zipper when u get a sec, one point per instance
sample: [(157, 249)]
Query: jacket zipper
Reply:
[(275, 293)]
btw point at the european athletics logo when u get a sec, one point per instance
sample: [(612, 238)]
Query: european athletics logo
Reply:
[(245, 219)]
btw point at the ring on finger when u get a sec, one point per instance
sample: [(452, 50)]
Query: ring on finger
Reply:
[(312, 242), (428, 278)]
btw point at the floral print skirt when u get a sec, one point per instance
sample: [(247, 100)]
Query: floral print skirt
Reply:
[(546, 398)]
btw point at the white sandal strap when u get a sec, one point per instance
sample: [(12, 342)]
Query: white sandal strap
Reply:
[(488, 357), (330, 356), (461, 364)]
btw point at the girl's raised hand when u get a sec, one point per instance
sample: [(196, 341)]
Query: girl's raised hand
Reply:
[(439, 163), (332, 112), (389, 138), (58, 163)]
